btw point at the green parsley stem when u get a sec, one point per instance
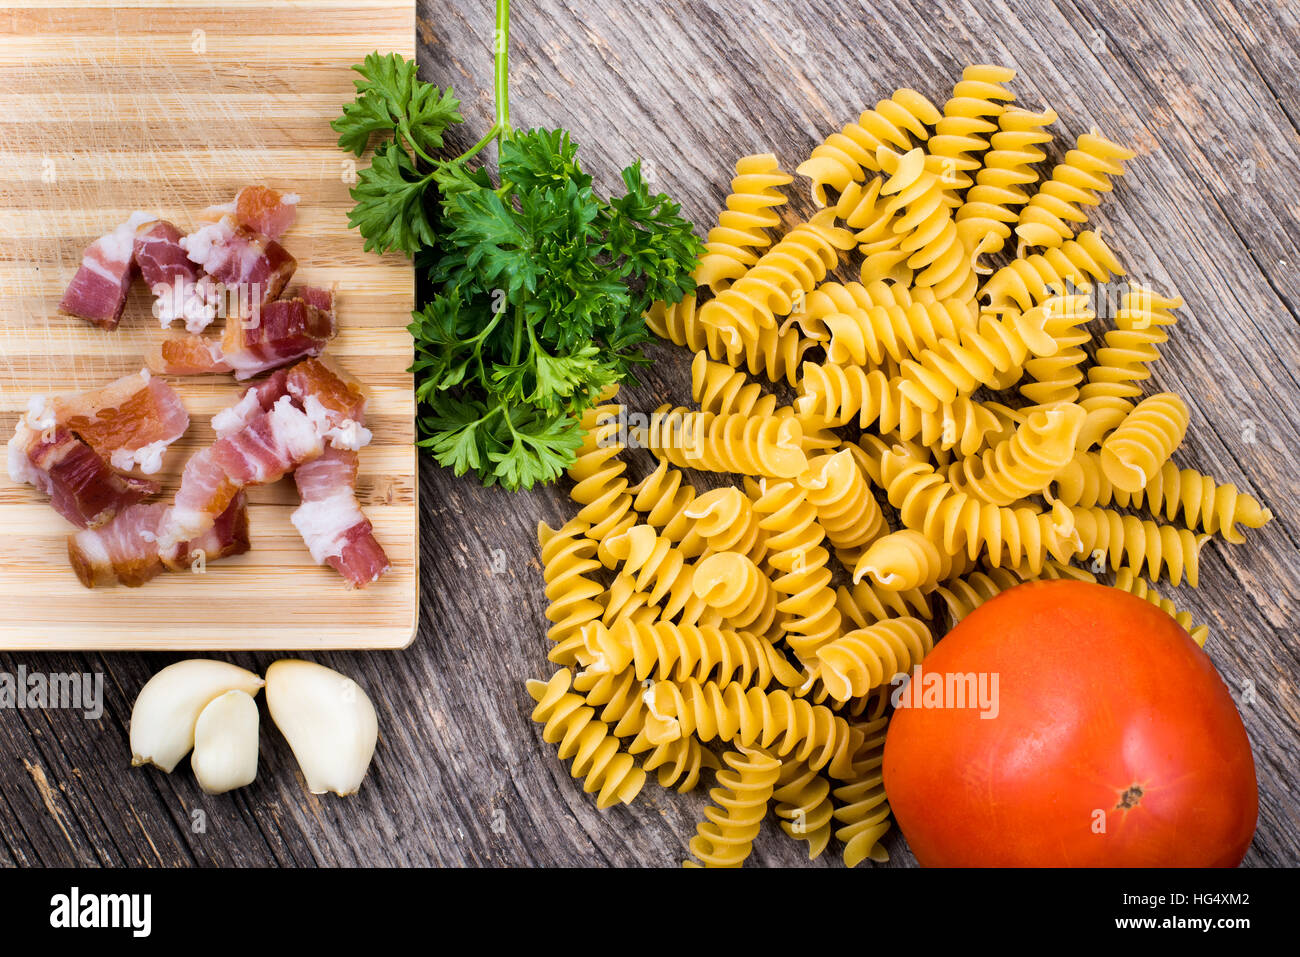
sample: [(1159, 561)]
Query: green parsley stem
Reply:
[(501, 86), (501, 83)]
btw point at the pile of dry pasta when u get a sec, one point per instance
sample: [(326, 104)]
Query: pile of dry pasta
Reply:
[(768, 618)]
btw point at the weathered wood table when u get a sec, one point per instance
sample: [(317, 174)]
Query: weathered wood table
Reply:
[(1208, 93)]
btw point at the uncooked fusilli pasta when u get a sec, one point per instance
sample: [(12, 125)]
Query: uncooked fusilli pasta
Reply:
[(765, 617)]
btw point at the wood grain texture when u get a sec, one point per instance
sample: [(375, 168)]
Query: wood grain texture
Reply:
[(461, 776), (172, 107)]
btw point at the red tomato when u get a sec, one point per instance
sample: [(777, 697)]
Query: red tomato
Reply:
[(1110, 741)]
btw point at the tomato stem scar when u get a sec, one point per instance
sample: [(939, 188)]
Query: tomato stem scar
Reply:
[(1130, 798)]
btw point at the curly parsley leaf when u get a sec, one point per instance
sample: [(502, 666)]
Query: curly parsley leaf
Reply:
[(392, 99), (391, 210), (539, 447)]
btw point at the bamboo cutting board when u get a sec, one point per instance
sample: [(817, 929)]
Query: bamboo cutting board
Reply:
[(170, 107)]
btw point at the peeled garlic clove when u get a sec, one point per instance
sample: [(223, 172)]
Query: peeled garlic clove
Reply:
[(328, 721), (225, 743), (168, 706)]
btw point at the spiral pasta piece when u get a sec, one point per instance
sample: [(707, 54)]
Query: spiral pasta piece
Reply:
[(725, 519), (866, 336), (904, 561), (680, 324), (1030, 281), (742, 595), (1124, 360), (862, 808), (969, 116), (925, 222), (871, 451), (1125, 580), (803, 804), (664, 650), (726, 836), (607, 771), (963, 595), (859, 207), (992, 205), (571, 593), (616, 695), (775, 720), (833, 297), (1054, 380), (855, 663), (600, 485), (1086, 171), (790, 269), (835, 395), (621, 600), (950, 519), (801, 576), (867, 603), (722, 390), (658, 569), (1024, 464), (1149, 435), (774, 353), (997, 346), (752, 445), (664, 497), (1145, 547), (676, 763), (838, 492), (1201, 502), (848, 155), (744, 225)]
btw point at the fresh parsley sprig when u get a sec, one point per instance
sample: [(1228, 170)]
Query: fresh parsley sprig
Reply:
[(539, 283)]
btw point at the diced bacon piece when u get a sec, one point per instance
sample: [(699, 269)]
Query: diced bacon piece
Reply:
[(171, 277), (227, 536), (265, 210), (271, 444), (186, 354), (287, 330), (98, 291), (259, 397), (81, 486), (322, 297), (125, 551), (259, 209), (129, 422), (330, 518), (160, 255), (251, 269), (333, 400)]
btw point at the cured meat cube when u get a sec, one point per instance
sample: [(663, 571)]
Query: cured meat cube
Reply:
[(125, 551), (257, 398), (171, 277), (259, 209), (330, 518), (287, 330), (81, 486), (99, 288), (251, 269), (333, 400), (129, 422), (186, 354)]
